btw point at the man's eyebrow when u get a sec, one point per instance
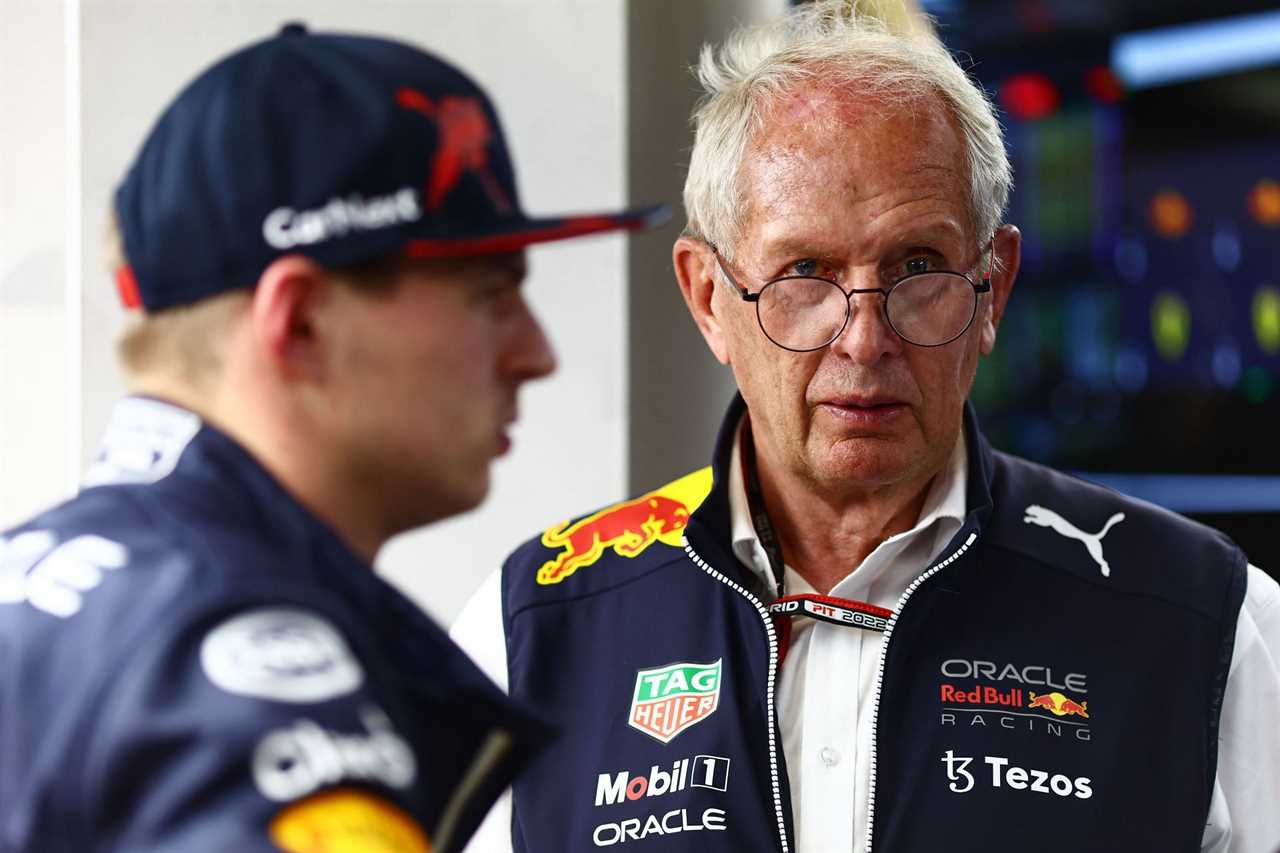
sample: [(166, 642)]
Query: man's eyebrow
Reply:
[(518, 272), (517, 263), (945, 230), (792, 246), (512, 269)]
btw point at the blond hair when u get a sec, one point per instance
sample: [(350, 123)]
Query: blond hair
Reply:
[(183, 343), (834, 43)]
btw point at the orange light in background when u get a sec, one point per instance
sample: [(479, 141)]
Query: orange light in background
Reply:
[(1264, 203), (1170, 214), (1029, 97), (1103, 85)]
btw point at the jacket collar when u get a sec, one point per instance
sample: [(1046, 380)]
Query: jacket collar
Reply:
[(711, 526)]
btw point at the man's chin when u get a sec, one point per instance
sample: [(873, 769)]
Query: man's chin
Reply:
[(867, 462), (462, 496)]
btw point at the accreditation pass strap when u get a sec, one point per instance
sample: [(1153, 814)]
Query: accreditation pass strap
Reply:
[(825, 608), (837, 611)]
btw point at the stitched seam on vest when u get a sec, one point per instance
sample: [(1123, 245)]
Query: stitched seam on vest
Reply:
[(772, 637), (677, 557), (1103, 583), (884, 657), (1233, 599)]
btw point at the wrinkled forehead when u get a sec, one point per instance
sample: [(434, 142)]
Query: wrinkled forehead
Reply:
[(829, 105), (822, 141)]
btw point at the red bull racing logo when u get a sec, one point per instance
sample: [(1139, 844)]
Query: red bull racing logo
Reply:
[(1059, 705), (669, 699), (626, 528), (1005, 692)]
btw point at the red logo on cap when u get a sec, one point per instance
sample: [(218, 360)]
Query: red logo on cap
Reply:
[(127, 287), (464, 137)]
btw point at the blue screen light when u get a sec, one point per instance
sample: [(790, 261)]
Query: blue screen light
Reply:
[(1195, 51)]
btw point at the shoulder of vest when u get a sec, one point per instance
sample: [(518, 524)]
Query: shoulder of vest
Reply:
[(131, 528), (606, 548), (108, 513), (1113, 540), (105, 564)]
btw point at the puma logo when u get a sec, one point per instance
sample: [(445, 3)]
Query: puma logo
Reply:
[(1092, 541)]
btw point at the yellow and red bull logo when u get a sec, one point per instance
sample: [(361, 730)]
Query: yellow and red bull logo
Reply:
[(669, 699), (1059, 704), (627, 528)]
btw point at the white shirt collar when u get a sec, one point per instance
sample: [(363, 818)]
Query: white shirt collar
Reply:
[(940, 517)]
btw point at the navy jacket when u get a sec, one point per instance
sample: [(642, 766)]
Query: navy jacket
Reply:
[(190, 661), (1038, 690)]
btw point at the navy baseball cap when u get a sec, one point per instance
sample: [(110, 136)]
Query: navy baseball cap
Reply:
[(342, 148)]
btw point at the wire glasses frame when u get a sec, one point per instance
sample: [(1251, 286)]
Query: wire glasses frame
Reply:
[(927, 311)]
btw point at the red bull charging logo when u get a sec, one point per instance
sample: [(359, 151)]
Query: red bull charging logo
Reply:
[(1059, 705), (627, 528)]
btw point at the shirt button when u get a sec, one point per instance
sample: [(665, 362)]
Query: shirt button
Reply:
[(830, 757)]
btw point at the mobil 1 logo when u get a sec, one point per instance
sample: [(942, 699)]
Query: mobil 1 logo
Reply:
[(700, 771), (666, 818)]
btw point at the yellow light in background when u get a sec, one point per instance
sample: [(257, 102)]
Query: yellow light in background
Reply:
[(1170, 325), (1170, 214), (1264, 203), (1266, 319)]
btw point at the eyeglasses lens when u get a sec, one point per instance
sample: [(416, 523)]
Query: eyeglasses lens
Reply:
[(808, 313), (932, 309), (802, 313)]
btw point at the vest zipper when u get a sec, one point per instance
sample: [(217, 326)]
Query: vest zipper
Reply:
[(771, 634), (884, 652)]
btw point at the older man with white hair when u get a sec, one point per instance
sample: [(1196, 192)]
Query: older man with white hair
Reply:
[(862, 628)]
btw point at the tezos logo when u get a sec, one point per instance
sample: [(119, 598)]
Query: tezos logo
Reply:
[(701, 771), (670, 699), (961, 780)]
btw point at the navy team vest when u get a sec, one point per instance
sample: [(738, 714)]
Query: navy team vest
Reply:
[(1052, 681)]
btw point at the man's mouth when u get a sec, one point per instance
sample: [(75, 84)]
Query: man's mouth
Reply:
[(864, 410)]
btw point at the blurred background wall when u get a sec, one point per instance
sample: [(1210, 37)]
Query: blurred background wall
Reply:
[(595, 97), (1141, 348)]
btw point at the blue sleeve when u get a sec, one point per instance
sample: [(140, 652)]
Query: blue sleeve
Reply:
[(241, 730)]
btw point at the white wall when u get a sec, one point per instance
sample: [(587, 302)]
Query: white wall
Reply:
[(36, 342), (80, 83), (678, 392)]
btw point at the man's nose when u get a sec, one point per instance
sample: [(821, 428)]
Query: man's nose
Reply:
[(867, 337), (530, 355)]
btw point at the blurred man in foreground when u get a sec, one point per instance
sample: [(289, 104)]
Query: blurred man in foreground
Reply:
[(862, 628), (323, 239)]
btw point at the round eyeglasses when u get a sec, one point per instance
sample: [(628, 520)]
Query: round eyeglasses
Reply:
[(805, 313)]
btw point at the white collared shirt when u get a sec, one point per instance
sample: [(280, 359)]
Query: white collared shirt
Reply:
[(826, 725)]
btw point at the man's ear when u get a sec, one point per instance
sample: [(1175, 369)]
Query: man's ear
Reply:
[(283, 316), (1007, 252), (696, 272)]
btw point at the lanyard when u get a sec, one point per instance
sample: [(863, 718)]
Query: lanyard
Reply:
[(845, 612), (837, 611)]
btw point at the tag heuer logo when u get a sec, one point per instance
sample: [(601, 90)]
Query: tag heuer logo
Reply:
[(670, 699)]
